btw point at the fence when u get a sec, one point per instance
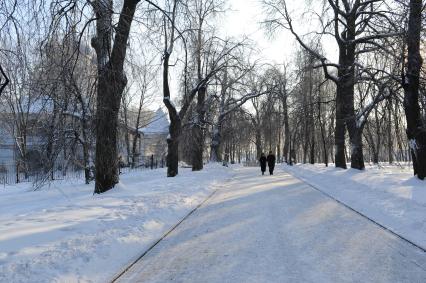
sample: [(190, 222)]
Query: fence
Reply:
[(9, 177), (151, 161), (9, 174)]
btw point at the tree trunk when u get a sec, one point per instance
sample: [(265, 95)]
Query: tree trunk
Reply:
[(111, 83), (330, 130), (398, 136), (354, 126), (372, 145), (357, 157), (126, 134), (86, 163), (84, 130), (311, 113), (134, 148), (198, 132), (85, 145), (215, 146), (49, 158), (305, 148), (375, 157), (312, 150), (286, 130), (378, 135), (339, 132), (347, 83), (389, 130), (291, 151), (416, 132), (172, 158), (340, 129), (4, 81), (136, 135), (306, 133), (279, 134), (109, 87), (258, 141), (175, 126), (324, 142)]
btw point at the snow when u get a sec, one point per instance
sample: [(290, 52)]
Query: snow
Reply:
[(64, 233), (277, 229), (253, 229), (389, 195)]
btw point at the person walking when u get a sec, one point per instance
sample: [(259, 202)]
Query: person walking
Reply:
[(262, 161), (271, 162)]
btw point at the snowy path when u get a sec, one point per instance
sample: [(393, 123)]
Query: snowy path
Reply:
[(278, 229)]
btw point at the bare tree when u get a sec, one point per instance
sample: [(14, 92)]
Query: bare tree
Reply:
[(7, 9), (145, 81), (111, 83), (231, 81), (416, 130), (203, 41), (354, 26)]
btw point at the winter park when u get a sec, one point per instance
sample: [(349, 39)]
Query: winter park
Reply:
[(212, 141)]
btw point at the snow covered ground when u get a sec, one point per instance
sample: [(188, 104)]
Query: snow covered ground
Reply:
[(262, 229), (389, 195), (65, 234)]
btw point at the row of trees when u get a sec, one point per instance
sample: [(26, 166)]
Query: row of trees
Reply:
[(222, 103), (50, 101), (378, 45), (84, 99)]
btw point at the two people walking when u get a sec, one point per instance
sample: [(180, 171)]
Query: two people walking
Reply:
[(270, 160)]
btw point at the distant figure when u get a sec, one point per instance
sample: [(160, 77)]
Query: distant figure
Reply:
[(271, 162), (262, 161)]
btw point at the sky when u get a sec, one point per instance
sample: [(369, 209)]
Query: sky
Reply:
[(244, 18)]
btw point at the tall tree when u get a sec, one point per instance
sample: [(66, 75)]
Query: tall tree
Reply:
[(416, 130), (200, 12), (169, 31), (111, 83), (353, 24), (230, 79)]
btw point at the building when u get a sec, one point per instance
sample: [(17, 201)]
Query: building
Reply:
[(151, 141), (154, 135)]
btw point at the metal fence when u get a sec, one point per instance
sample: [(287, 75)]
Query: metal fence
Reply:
[(9, 174), (151, 162)]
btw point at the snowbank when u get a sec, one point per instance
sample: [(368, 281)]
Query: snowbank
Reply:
[(66, 234), (389, 195)]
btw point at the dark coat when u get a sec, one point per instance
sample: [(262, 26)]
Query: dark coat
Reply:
[(271, 160), (262, 161)]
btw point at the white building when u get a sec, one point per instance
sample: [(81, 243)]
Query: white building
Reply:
[(151, 141), (154, 135)]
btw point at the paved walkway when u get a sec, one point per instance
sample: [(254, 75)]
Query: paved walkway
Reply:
[(278, 229)]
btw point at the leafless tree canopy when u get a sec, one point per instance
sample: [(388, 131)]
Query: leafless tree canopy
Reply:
[(82, 84)]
